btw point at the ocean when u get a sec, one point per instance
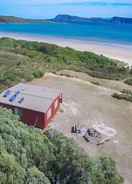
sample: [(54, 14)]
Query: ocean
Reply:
[(120, 33)]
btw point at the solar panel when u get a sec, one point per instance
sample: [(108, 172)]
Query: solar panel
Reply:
[(17, 93), (7, 93), (21, 100), (14, 96)]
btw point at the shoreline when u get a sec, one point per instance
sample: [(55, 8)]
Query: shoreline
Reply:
[(115, 51)]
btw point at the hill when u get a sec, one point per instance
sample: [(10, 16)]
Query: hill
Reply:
[(13, 19), (27, 156), (68, 19), (81, 20)]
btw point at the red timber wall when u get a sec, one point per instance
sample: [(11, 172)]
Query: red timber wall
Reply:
[(33, 118), (30, 117)]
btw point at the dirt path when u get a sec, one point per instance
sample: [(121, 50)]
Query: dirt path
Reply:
[(112, 84), (88, 104)]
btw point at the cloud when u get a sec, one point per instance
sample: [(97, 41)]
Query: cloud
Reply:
[(100, 3), (68, 2), (40, 2), (50, 8)]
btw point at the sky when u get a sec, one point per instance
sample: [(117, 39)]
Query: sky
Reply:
[(51, 8)]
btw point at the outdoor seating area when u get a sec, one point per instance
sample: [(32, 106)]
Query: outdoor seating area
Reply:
[(98, 134)]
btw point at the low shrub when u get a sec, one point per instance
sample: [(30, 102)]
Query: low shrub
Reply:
[(128, 81)]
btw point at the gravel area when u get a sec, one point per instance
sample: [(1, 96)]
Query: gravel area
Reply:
[(87, 104)]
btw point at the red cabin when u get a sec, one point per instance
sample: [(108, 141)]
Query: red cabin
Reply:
[(36, 105)]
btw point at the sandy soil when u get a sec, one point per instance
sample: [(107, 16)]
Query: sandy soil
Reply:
[(88, 104), (111, 84), (112, 50)]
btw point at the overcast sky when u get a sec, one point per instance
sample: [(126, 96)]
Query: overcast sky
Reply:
[(50, 8)]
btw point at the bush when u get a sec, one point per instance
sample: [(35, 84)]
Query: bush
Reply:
[(128, 81), (123, 95), (23, 60), (27, 156), (38, 73)]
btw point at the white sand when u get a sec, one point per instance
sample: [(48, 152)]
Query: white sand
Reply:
[(112, 50)]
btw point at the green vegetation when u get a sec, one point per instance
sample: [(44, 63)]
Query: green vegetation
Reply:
[(27, 156), (12, 19), (128, 81), (24, 61), (123, 95)]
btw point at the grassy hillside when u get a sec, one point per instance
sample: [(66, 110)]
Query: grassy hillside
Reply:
[(13, 19), (23, 61), (27, 156)]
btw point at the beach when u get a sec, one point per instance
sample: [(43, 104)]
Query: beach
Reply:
[(122, 52)]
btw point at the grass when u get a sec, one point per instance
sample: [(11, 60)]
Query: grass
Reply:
[(123, 95)]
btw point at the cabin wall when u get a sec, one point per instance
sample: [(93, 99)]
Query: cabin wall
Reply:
[(35, 118), (31, 118), (52, 111)]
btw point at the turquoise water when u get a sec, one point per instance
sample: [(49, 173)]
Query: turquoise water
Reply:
[(119, 33)]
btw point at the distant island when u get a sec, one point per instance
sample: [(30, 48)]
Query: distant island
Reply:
[(67, 19)]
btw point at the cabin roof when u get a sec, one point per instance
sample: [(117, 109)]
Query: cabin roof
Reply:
[(27, 96)]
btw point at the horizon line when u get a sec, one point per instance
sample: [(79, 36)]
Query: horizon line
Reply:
[(64, 15)]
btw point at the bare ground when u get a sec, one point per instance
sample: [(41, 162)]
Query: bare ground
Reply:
[(88, 104)]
